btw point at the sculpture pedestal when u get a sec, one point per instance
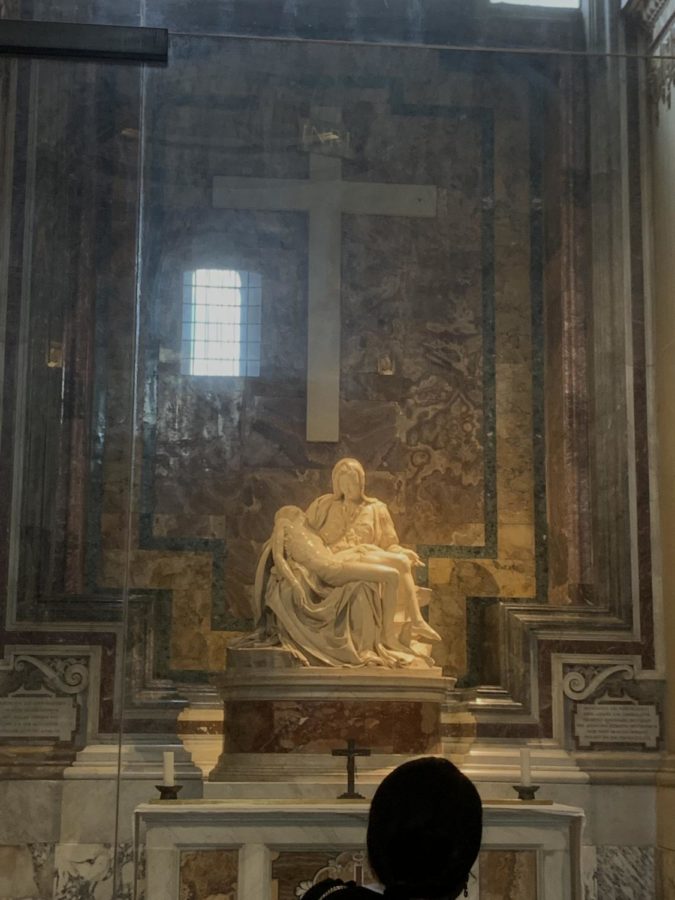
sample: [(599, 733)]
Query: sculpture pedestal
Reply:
[(281, 725)]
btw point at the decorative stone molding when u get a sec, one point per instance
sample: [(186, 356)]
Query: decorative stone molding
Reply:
[(652, 11), (658, 20), (655, 16), (662, 68), (138, 758)]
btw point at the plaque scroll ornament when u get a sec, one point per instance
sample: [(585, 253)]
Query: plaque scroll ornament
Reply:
[(577, 686), (67, 675)]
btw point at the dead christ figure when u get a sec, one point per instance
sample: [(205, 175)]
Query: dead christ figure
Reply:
[(294, 539)]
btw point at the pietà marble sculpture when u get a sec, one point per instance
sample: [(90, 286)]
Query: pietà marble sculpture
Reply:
[(335, 588)]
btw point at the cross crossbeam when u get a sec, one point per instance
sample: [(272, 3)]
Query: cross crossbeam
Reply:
[(324, 197)]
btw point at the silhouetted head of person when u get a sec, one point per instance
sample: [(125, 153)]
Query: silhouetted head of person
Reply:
[(424, 830)]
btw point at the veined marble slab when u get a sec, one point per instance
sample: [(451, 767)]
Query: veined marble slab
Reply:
[(625, 872)]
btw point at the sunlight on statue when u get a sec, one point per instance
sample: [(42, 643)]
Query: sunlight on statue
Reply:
[(335, 588)]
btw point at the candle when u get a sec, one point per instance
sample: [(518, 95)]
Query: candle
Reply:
[(169, 774), (525, 774)]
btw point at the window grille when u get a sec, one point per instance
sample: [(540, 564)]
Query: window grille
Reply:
[(221, 322)]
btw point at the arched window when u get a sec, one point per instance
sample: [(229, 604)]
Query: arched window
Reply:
[(221, 322)]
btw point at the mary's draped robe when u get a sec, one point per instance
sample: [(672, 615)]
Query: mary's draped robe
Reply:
[(324, 625)]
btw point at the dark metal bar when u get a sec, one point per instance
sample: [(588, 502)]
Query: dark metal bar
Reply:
[(66, 40)]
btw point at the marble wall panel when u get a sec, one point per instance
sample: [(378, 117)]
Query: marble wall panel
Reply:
[(589, 872), (286, 726), (88, 871), (293, 872), (665, 873), (26, 871), (508, 875), (208, 874), (625, 872), (148, 568), (30, 811), (515, 484), (192, 636), (448, 616), (71, 871), (512, 322)]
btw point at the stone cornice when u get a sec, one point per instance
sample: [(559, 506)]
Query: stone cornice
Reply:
[(653, 9), (662, 66), (658, 18)]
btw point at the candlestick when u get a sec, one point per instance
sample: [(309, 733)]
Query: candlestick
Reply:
[(526, 791), (169, 769), (169, 792), (525, 773)]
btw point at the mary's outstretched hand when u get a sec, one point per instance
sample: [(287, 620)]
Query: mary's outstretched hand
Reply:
[(415, 558)]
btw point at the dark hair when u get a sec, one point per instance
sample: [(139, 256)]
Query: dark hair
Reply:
[(424, 830)]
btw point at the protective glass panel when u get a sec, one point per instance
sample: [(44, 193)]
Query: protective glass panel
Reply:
[(427, 240)]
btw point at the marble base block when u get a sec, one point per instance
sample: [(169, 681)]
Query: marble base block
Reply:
[(140, 757), (294, 776), (308, 712)]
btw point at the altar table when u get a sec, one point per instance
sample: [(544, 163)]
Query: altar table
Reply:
[(258, 832)]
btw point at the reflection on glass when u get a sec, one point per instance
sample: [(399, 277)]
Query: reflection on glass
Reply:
[(566, 4), (221, 322)]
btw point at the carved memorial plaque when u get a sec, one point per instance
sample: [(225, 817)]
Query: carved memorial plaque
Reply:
[(37, 716), (616, 723)]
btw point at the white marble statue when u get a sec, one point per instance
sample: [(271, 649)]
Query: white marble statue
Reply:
[(334, 586)]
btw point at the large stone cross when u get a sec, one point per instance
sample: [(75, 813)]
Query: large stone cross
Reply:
[(324, 196)]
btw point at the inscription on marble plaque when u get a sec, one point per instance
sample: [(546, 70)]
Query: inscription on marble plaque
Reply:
[(37, 717), (616, 723)]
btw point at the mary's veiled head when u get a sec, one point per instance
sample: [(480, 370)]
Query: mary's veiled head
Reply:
[(346, 468)]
